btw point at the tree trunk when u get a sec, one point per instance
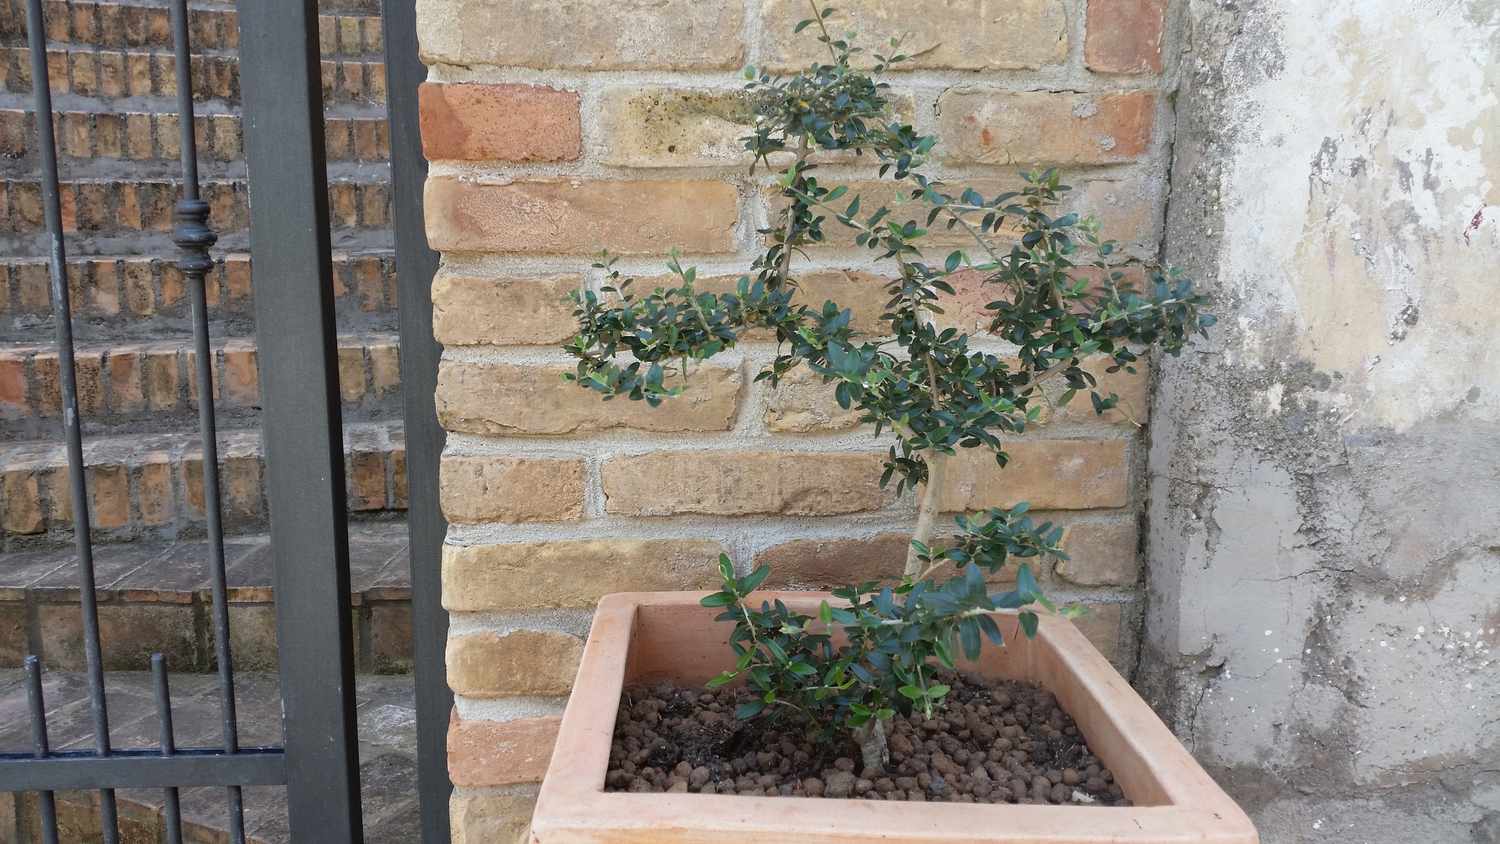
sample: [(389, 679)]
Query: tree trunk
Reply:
[(873, 749), (927, 509)]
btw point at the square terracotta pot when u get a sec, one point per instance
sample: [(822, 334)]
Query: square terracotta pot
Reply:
[(652, 636)]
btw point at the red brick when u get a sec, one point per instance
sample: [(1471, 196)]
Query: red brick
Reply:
[(496, 753), (1124, 36), (581, 217), (13, 385), (1044, 127), (499, 122)]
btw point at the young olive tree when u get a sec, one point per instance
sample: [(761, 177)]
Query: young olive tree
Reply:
[(1060, 299)]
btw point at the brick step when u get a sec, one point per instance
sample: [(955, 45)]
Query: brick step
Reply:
[(386, 712), (143, 297), (122, 206), (148, 387), (111, 74), (156, 596), (134, 25), (150, 486), (103, 134)]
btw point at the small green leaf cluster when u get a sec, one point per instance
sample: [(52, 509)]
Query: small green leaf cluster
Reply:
[(1062, 295), (876, 653)]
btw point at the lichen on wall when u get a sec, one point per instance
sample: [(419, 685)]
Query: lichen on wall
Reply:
[(1324, 535)]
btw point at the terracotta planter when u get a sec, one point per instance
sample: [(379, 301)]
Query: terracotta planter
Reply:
[(651, 636)]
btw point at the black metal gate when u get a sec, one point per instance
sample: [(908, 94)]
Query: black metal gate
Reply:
[(284, 143)]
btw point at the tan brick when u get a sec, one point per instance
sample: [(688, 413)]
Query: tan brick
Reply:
[(109, 496), (398, 478), (678, 34), (861, 292), (1128, 210), (1050, 474), (154, 490), (732, 483), (506, 398), (1106, 627), (1039, 127), (489, 818), (240, 374), (661, 126), (138, 136), (826, 563), (1124, 36), (366, 480), (351, 371), (571, 573), (1132, 388), (897, 197), (674, 127), (161, 377), (496, 753), (471, 310), (803, 403), (499, 122), (23, 502), (385, 367), (390, 637), (521, 662), (1100, 554), (956, 34), (581, 217), (511, 489)]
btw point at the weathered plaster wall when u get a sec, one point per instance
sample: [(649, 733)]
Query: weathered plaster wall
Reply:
[(1324, 502)]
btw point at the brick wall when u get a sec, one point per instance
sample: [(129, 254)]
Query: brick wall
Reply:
[(555, 130)]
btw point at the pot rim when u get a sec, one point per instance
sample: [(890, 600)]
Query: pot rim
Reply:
[(1121, 728)]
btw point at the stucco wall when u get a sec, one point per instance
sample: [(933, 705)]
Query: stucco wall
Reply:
[(1324, 480)]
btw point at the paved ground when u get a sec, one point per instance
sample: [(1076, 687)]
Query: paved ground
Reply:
[(387, 752)]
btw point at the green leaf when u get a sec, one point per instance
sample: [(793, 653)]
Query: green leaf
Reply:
[(723, 679), (936, 691), (911, 692), (717, 599), (1029, 624), (968, 636), (749, 709), (754, 579)]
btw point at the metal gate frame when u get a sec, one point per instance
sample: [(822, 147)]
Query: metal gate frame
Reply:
[(283, 122), (416, 264)]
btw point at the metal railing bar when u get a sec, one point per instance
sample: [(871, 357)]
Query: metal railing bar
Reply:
[(415, 265), (192, 235), (39, 743), (77, 477), (142, 768), (172, 811)]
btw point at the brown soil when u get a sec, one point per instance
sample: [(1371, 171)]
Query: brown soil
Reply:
[(993, 741)]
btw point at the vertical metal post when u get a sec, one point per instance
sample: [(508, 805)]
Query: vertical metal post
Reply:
[(280, 78), (62, 315), (39, 743), (193, 237), (173, 809), (415, 266)]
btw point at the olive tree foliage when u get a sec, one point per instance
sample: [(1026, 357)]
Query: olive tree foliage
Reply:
[(1060, 297)]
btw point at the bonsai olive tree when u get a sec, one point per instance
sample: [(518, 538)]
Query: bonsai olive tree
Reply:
[(1060, 298)]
